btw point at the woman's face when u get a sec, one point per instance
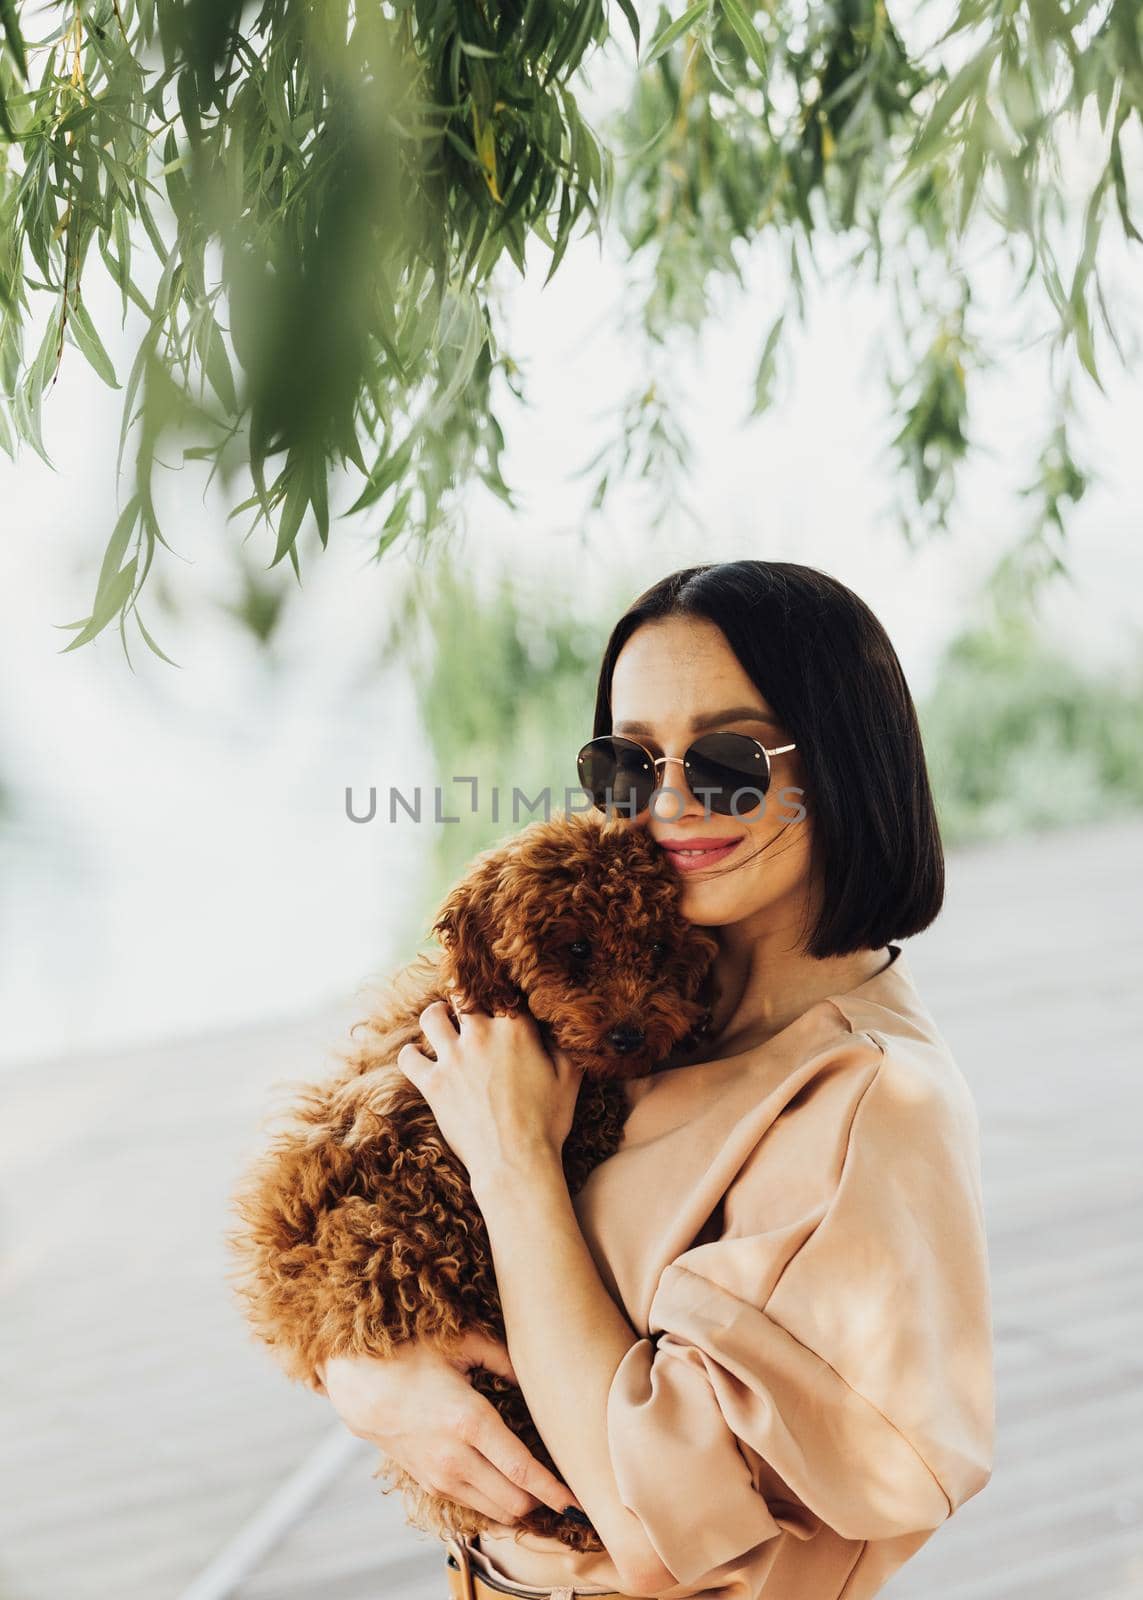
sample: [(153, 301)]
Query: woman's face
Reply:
[(674, 679)]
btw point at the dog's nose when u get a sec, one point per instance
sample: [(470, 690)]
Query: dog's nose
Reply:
[(626, 1037)]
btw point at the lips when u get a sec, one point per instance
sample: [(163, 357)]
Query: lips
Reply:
[(696, 854), (675, 845)]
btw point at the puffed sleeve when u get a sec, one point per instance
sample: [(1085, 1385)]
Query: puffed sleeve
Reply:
[(834, 1342)]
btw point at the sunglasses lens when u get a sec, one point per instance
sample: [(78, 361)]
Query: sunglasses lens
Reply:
[(729, 772), (617, 775)]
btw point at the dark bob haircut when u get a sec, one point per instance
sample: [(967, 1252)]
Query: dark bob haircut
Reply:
[(825, 664)]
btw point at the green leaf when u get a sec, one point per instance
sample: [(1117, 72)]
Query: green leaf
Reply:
[(971, 79), (574, 42), (12, 34), (319, 500), (384, 475), (218, 369), (675, 30), (395, 521), (463, 149), (150, 643), (112, 601), (563, 234), (739, 18), (116, 548), (28, 424), (88, 340), (764, 376), (297, 498), (152, 228), (1116, 163), (146, 344), (630, 13), (1085, 345), (246, 505)]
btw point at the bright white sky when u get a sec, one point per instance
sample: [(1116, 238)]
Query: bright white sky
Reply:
[(180, 856)]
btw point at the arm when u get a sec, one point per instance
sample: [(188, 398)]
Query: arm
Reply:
[(505, 1108), (827, 1361), (566, 1338)]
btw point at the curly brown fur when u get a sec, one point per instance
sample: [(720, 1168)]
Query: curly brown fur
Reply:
[(358, 1228)]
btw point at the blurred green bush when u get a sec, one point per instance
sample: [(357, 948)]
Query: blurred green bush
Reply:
[(1020, 736), (505, 686)]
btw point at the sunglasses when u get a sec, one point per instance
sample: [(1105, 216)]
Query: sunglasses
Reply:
[(719, 767)]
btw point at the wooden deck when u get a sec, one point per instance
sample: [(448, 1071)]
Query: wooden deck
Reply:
[(153, 1450)]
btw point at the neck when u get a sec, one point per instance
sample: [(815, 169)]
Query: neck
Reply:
[(763, 981)]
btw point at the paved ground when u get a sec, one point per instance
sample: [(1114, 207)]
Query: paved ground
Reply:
[(144, 1432)]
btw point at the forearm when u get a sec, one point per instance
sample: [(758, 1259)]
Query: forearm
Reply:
[(566, 1337)]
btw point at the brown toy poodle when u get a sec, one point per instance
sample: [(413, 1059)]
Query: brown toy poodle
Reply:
[(358, 1228)]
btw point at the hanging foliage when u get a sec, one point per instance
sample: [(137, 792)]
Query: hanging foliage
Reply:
[(307, 202)]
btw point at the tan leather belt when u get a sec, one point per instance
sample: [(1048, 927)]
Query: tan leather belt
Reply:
[(466, 1583)]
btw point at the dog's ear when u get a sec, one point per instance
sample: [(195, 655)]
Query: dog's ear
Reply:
[(465, 927)]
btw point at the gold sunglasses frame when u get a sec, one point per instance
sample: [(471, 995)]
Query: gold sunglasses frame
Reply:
[(655, 762)]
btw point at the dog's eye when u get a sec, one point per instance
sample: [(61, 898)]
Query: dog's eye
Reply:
[(579, 950), (658, 951)]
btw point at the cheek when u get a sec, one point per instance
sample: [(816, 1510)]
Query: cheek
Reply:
[(776, 872), (778, 869)]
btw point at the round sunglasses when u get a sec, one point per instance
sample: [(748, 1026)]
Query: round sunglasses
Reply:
[(620, 774)]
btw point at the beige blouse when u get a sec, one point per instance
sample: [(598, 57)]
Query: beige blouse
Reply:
[(796, 1233)]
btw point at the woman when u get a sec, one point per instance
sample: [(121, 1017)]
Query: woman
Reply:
[(758, 1342)]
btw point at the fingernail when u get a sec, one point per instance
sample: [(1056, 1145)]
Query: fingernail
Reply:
[(577, 1516)]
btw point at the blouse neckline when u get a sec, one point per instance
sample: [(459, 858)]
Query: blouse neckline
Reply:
[(895, 970)]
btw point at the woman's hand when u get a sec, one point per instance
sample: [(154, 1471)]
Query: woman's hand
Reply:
[(420, 1409), (497, 1095)]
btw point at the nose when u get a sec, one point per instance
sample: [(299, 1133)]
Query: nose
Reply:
[(626, 1037), (680, 785)]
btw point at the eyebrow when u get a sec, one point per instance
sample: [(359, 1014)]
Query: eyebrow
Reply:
[(710, 719)]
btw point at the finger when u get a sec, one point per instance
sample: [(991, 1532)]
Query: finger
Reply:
[(457, 999), (512, 1499), (483, 1495), (411, 1061), (436, 1024), (516, 1463), (479, 1350)]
